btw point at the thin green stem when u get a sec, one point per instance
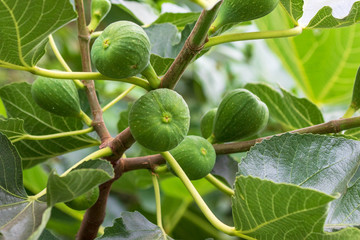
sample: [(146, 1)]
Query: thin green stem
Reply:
[(62, 61), (158, 203), (86, 76), (218, 184), (95, 34), (150, 74), (118, 98), (161, 169), (13, 66), (198, 199), (350, 112), (52, 136), (104, 152), (86, 119), (234, 37)]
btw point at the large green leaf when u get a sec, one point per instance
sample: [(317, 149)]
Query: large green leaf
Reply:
[(323, 62), (266, 210), (165, 50), (21, 216), (323, 14), (324, 163), (178, 19), (25, 26), (133, 226), (77, 182), (19, 103), (290, 111)]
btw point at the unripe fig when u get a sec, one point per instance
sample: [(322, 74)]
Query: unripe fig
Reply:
[(207, 123), (196, 156), (236, 11), (159, 120), (122, 50), (240, 114), (84, 201), (58, 96), (99, 10)]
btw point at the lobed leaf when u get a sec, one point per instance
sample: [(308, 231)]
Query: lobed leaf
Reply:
[(19, 104), (25, 26), (21, 216), (322, 62), (79, 181), (323, 14), (323, 163), (132, 226)]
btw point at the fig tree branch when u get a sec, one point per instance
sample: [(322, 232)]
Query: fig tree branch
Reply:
[(84, 43), (333, 126), (193, 45)]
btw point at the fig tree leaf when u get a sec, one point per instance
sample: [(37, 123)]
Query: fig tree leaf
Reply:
[(266, 210), (133, 226), (25, 26), (16, 208), (77, 182), (178, 19), (323, 163), (323, 62), (19, 104), (323, 14), (140, 11), (165, 49), (290, 111)]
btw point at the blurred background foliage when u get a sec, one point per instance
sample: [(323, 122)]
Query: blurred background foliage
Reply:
[(285, 62)]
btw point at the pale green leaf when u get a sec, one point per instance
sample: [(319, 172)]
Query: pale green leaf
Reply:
[(133, 226), (36, 121), (178, 19), (322, 62), (79, 181), (323, 14), (25, 26), (21, 216), (292, 112)]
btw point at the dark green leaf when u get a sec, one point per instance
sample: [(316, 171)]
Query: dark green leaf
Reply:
[(319, 162), (292, 112), (25, 26), (80, 180), (133, 226), (266, 210), (21, 216), (20, 104)]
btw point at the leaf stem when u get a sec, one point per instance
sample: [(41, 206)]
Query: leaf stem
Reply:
[(150, 74), (104, 152), (52, 136), (158, 202), (85, 118), (87, 76), (349, 113), (197, 197), (95, 34), (62, 61), (234, 37), (218, 184), (118, 98)]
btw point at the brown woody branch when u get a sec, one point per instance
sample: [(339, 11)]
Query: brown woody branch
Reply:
[(84, 43), (193, 45), (334, 126)]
